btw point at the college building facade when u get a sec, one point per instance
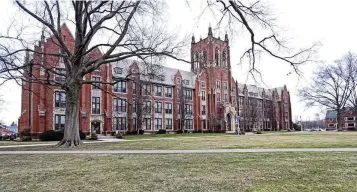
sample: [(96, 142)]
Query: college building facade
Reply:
[(152, 97)]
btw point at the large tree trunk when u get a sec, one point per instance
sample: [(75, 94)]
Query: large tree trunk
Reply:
[(339, 128), (71, 132)]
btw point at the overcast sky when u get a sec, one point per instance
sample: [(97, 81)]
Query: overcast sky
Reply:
[(303, 21)]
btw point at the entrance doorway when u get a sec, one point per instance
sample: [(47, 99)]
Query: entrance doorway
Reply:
[(229, 122), (96, 127)]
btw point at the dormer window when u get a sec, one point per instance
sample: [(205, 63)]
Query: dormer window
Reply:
[(161, 78), (178, 80), (186, 82), (118, 70)]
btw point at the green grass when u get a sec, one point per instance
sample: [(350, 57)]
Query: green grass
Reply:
[(181, 172), (223, 141)]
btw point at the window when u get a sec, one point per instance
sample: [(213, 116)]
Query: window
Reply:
[(146, 89), (178, 80), (60, 121), (203, 95), (119, 123), (168, 108), (168, 91), (331, 125), (218, 97), (168, 123), (350, 118), (158, 90), (203, 84), (240, 100), (203, 109), (60, 99), (224, 58), (188, 94), (134, 88), (120, 87), (60, 75), (216, 57), (147, 123), (118, 70), (96, 82), (350, 124), (225, 85), (119, 105), (188, 123), (218, 84), (161, 78), (95, 105), (188, 109), (178, 108), (158, 107), (134, 124), (225, 98), (204, 56), (134, 106), (147, 107), (186, 82), (158, 123)]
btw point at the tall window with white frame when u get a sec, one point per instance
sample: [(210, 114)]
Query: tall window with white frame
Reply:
[(134, 124), (119, 105), (168, 108), (188, 123), (158, 90), (95, 105), (96, 82), (203, 109), (218, 84), (146, 89), (188, 94), (147, 123), (60, 122), (168, 92), (158, 107), (120, 87), (158, 123), (60, 99), (119, 123), (134, 88), (203, 95), (203, 84), (168, 123)]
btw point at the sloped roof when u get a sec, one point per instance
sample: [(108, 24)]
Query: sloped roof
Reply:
[(167, 72), (331, 114)]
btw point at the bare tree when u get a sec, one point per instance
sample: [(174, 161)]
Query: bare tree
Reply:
[(352, 100), (332, 86), (131, 29), (256, 20)]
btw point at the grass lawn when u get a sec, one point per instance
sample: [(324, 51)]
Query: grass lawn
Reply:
[(6, 143), (223, 141), (181, 172)]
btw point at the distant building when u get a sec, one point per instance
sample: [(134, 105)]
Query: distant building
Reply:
[(348, 118), (209, 96)]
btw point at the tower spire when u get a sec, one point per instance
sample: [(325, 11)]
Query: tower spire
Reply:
[(210, 30), (226, 37), (193, 39)]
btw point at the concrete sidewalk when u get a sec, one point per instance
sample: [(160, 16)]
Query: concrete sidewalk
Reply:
[(181, 151)]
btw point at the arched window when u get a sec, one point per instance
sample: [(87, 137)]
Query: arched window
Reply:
[(224, 58), (216, 57), (205, 56), (196, 57)]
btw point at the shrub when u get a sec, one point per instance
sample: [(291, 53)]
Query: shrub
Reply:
[(112, 133), (134, 132), (25, 135), (259, 131), (93, 136), (179, 131), (119, 136), (162, 131), (82, 135), (51, 135), (197, 131), (104, 133), (243, 132)]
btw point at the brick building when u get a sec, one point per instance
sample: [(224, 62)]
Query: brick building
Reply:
[(348, 119), (152, 97)]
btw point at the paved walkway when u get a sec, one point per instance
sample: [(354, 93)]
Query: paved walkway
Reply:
[(180, 151)]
